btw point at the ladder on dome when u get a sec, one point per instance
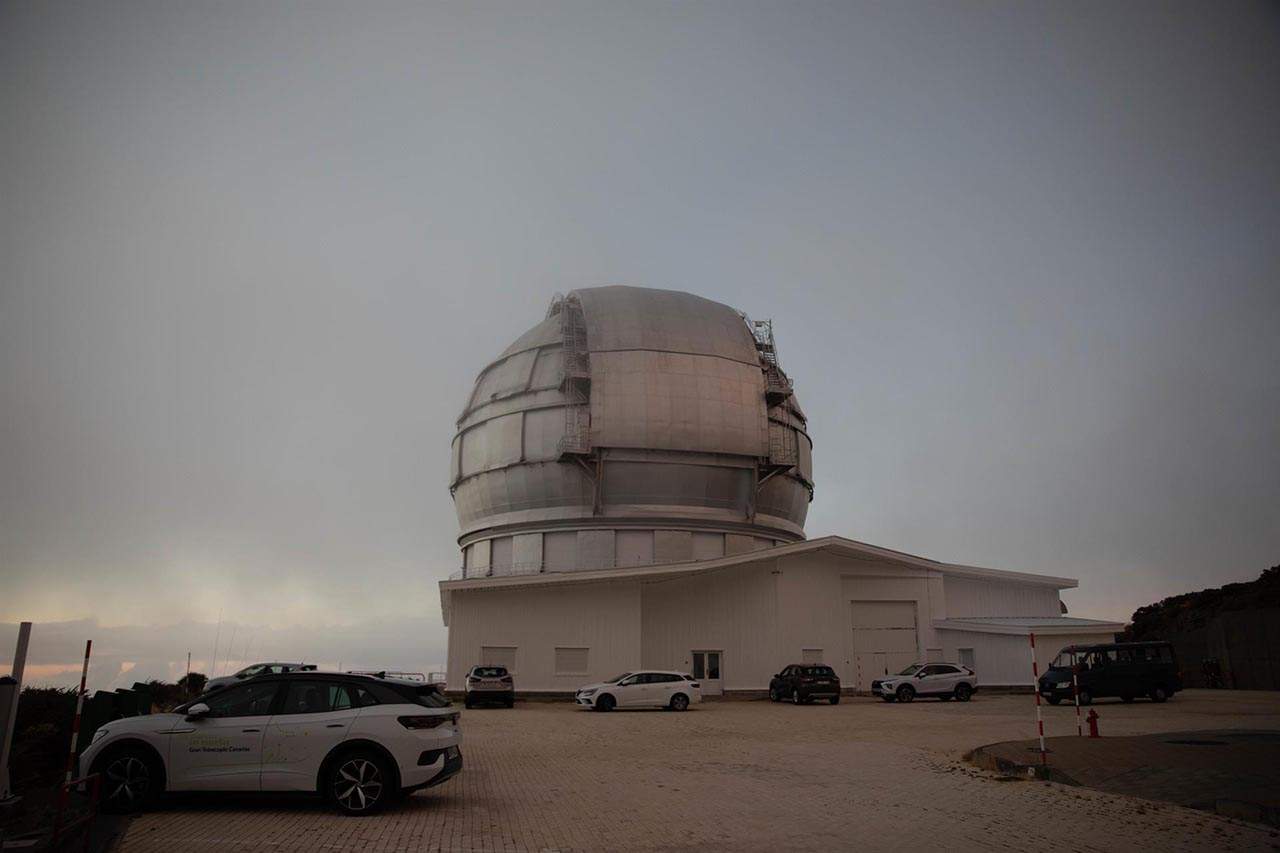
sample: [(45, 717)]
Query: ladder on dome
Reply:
[(575, 381), (784, 441), (777, 386)]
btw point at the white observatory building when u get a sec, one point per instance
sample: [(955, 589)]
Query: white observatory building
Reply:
[(632, 477)]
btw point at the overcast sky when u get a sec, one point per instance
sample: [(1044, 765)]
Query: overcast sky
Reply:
[(1023, 262)]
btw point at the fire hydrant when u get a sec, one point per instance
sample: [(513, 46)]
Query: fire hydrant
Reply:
[(1093, 723)]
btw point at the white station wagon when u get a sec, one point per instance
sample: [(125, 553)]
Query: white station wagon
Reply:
[(650, 688), (356, 740)]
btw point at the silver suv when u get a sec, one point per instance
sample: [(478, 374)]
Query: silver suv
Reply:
[(489, 683), (254, 670), (946, 681)]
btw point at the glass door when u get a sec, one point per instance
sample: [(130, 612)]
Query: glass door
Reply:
[(706, 671)]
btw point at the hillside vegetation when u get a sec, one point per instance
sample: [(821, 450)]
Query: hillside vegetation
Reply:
[(1180, 614)]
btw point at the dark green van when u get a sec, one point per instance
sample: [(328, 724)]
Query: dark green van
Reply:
[(1125, 670)]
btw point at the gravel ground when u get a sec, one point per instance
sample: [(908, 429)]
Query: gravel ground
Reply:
[(748, 775)]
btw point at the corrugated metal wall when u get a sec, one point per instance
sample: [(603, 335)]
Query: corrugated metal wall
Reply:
[(975, 597), (603, 618)]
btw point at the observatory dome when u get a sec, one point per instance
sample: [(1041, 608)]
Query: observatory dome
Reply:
[(630, 427)]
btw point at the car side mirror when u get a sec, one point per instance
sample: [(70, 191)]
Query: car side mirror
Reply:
[(197, 711)]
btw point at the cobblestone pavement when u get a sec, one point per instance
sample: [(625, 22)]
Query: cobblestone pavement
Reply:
[(747, 775)]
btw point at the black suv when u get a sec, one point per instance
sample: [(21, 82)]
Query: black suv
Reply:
[(1127, 670), (804, 682)]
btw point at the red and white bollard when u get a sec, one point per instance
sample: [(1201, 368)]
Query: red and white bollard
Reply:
[(1075, 692), (75, 725), (1035, 688)]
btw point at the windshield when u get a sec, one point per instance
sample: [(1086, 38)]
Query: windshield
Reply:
[(1062, 661), (911, 670), (616, 678)]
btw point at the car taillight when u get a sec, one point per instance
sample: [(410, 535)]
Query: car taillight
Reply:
[(695, 684), (427, 722)]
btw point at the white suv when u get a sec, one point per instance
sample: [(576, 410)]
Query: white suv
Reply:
[(646, 689), (358, 741), (943, 680)]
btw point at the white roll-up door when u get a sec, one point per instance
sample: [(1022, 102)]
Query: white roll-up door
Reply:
[(885, 638)]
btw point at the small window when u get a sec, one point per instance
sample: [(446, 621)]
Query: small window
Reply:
[(499, 656), (363, 698), (571, 660), (811, 655)]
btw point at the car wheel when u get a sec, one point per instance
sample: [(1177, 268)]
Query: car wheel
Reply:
[(774, 695), (835, 700), (1084, 697), (606, 703), (906, 693), (963, 692), (679, 702), (1159, 694), (359, 783), (795, 697), (131, 780)]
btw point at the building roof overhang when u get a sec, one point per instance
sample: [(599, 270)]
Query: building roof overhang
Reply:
[(830, 544), (1024, 625)]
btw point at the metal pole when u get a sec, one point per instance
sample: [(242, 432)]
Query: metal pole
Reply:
[(75, 725), (1075, 694), (1035, 688), (213, 666), (11, 717), (230, 645)]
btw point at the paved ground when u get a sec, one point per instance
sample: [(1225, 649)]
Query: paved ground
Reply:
[(1235, 773), (750, 775)]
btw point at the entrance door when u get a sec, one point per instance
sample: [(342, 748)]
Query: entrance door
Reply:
[(884, 639), (706, 671)]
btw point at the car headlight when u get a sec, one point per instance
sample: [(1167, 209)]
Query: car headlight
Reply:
[(99, 735), (590, 692)]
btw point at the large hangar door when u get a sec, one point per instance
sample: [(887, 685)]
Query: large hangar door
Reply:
[(884, 638)]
